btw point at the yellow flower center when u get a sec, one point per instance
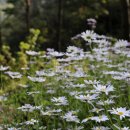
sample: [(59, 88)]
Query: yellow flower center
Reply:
[(100, 117), (97, 110), (120, 113), (103, 89), (88, 37)]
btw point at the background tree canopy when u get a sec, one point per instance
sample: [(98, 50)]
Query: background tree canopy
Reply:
[(59, 20)]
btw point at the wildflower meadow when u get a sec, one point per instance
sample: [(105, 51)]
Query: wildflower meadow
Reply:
[(79, 89)]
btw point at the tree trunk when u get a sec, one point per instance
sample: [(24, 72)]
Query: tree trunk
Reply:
[(28, 4), (128, 4), (60, 13), (1, 38), (126, 17)]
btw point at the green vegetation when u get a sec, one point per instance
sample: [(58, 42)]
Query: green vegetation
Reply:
[(74, 90), (52, 76)]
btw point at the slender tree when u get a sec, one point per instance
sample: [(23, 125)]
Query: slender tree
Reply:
[(60, 14), (126, 17), (128, 9), (0, 37), (28, 5)]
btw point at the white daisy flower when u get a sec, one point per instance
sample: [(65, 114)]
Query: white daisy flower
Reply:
[(3, 68), (37, 79), (50, 112), (70, 117), (12, 128), (121, 43), (100, 118), (108, 101), (31, 122), (60, 101), (29, 108), (91, 82), (87, 97), (104, 88), (32, 53), (100, 128), (86, 119), (97, 110), (56, 54), (122, 112), (88, 36), (14, 75)]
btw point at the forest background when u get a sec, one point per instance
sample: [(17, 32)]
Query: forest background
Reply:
[(60, 20)]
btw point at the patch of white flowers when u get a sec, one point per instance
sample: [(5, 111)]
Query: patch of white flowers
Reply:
[(73, 90)]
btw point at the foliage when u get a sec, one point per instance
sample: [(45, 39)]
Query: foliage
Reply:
[(75, 89), (30, 44), (6, 56), (44, 16)]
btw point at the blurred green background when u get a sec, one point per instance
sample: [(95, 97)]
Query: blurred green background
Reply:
[(59, 20)]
